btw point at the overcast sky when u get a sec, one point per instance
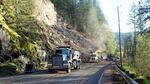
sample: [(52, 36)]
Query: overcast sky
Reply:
[(109, 8)]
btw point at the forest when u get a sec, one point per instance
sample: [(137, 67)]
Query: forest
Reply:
[(137, 48)]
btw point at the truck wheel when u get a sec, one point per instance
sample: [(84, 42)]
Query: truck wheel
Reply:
[(75, 63), (78, 65), (68, 70)]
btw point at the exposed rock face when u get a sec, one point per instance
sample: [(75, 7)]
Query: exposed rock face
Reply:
[(4, 40), (44, 12), (54, 31)]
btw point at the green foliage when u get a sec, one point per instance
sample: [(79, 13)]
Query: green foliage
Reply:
[(111, 44), (17, 19), (137, 49), (128, 49), (6, 27), (7, 69), (74, 12), (139, 16), (129, 68), (146, 81), (142, 54), (18, 15), (83, 15), (140, 62), (19, 65), (86, 16)]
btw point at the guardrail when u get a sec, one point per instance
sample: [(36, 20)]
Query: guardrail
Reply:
[(125, 76)]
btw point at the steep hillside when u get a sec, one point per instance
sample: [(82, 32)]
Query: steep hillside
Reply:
[(55, 32), (86, 16), (36, 27), (30, 28)]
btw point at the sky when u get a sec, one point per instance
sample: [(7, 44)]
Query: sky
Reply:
[(109, 8)]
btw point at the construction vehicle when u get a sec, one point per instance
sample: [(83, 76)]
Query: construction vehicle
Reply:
[(94, 58), (65, 58)]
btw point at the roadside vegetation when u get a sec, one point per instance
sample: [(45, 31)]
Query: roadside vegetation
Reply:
[(137, 47), (19, 34)]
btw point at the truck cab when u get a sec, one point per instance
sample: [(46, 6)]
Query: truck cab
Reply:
[(93, 58), (64, 59)]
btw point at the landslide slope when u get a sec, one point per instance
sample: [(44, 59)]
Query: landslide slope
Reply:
[(37, 26), (55, 31)]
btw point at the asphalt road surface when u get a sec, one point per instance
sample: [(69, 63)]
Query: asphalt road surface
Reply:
[(88, 74)]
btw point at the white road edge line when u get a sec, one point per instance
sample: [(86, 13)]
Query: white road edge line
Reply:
[(99, 82)]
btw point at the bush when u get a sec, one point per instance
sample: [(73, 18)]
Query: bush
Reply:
[(19, 65), (146, 81), (7, 69)]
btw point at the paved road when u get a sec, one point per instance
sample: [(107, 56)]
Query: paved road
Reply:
[(89, 73), (110, 76)]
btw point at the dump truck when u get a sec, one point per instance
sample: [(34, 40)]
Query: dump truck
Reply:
[(93, 58), (65, 58)]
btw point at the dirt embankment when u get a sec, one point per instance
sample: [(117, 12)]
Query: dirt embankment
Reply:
[(55, 32)]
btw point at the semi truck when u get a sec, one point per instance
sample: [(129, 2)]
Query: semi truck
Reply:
[(65, 58)]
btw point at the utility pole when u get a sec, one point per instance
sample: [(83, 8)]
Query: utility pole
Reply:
[(121, 62)]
